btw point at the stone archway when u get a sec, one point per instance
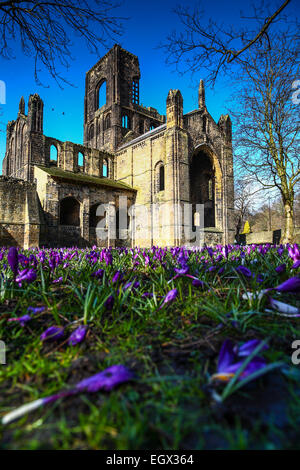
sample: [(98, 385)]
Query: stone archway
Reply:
[(206, 185)]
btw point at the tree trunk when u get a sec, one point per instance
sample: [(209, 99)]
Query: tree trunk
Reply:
[(288, 235)]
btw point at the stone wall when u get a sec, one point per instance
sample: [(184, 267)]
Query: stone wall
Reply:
[(53, 190), (20, 217), (268, 236)]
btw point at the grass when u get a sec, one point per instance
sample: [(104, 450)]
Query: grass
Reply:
[(172, 349)]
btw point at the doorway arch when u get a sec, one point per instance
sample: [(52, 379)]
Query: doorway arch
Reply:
[(206, 185)]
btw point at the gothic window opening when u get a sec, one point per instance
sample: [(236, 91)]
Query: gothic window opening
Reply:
[(135, 91), (107, 123), (202, 187), (159, 177), (152, 126), (101, 95), (204, 124), (161, 186), (53, 154), (125, 121), (80, 160), (105, 169), (70, 212)]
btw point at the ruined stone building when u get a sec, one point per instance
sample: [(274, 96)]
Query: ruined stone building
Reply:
[(50, 190)]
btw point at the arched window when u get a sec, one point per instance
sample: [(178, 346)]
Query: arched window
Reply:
[(80, 160), (107, 123), (204, 124), (161, 186), (125, 121), (135, 91), (159, 177), (105, 169), (101, 95), (152, 126), (53, 154), (202, 184), (69, 212)]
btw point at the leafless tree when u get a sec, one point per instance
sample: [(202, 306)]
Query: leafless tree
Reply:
[(263, 64), (245, 197), (267, 120), (207, 44), (44, 29)]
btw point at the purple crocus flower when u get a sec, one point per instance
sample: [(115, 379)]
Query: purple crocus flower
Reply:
[(294, 252), (13, 259), (291, 285), (52, 333), (197, 283), (281, 268), (28, 275), (243, 270), (232, 357), (36, 309), (98, 274), (108, 258), (183, 270), (170, 297), (22, 320), (109, 303), (78, 335), (117, 277), (106, 380), (296, 265)]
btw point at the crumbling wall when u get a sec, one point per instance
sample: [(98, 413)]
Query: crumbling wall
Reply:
[(19, 213)]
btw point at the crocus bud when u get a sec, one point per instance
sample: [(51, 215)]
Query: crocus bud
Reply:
[(13, 259)]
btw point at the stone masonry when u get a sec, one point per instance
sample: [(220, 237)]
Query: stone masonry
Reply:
[(50, 190)]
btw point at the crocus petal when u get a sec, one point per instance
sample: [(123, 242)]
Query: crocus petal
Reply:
[(247, 348), (171, 295), (13, 259), (53, 333), (291, 285), (226, 356), (245, 271), (36, 309), (183, 270), (109, 303), (255, 364), (98, 274), (280, 269), (290, 310), (106, 380), (78, 335), (197, 283)]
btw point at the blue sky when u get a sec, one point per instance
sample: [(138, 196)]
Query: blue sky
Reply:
[(148, 24)]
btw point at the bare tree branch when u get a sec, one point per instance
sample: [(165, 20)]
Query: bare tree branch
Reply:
[(266, 120), (212, 46), (44, 28)]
